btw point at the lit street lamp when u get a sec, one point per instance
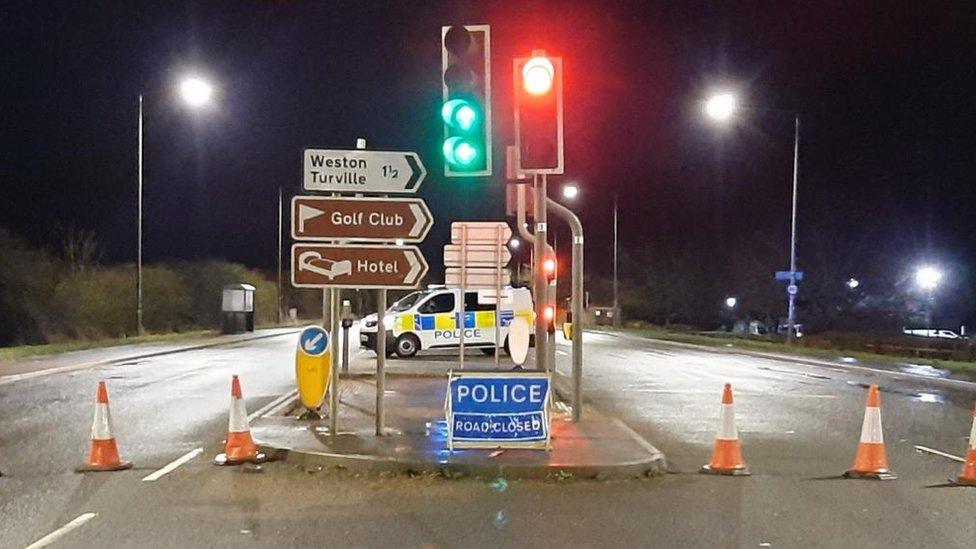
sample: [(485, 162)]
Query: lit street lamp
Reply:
[(196, 93), (928, 277), (514, 243), (720, 108), (570, 191), (731, 302), (853, 283)]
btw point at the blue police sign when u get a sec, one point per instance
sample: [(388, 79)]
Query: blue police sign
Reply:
[(498, 410)]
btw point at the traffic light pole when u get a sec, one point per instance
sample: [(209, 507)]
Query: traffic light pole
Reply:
[(540, 286), (577, 303)]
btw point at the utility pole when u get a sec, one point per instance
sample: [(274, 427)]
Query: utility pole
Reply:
[(792, 287), (616, 287), (278, 296), (139, 328)]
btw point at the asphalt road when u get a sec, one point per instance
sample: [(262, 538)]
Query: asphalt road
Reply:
[(799, 425)]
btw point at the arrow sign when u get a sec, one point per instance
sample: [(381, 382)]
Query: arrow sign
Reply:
[(475, 255), (366, 219), (362, 171), (476, 278), (356, 266), (481, 232)]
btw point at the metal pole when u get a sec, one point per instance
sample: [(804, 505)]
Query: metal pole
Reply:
[(499, 246), (334, 375), (616, 302), (279, 255), (461, 291), (791, 312), (539, 275), (576, 303), (139, 328), (380, 361)]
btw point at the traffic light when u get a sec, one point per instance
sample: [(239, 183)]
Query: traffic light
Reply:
[(549, 268), (466, 106), (539, 113)]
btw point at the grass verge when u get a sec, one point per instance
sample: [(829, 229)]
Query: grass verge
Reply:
[(720, 339), (24, 351)]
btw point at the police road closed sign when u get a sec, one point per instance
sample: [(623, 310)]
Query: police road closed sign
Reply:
[(498, 410)]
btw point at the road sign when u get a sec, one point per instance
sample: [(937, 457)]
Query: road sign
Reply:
[(313, 360), (362, 171), (476, 255), (787, 275), (481, 232), (356, 266), (498, 410), (476, 278), (365, 219)]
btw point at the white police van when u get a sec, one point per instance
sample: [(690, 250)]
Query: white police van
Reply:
[(428, 319)]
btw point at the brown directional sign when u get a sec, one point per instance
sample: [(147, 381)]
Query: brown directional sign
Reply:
[(356, 266), (365, 219)]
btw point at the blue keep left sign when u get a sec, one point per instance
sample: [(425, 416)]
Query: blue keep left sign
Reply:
[(313, 340), (491, 410)]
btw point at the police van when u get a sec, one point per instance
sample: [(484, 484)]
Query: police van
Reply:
[(428, 319)]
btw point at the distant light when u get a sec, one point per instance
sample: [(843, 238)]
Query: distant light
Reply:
[(928, 277), (731, 302), (514, 243), (720, 107), (570, 191), (853, 283), (537, 75), (549, 313), (549, 265), (196, 92)]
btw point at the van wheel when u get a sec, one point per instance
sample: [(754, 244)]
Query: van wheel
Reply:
[(407, 345)]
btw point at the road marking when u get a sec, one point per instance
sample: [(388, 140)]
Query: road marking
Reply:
[(173, 465), (61, 532), (264, 409), (939, 453)]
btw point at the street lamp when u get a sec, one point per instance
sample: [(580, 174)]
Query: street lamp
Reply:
[(721, 107), (570, 191), (731, 302), (853, 283), (514, 243), (928, 277), (196, 93)]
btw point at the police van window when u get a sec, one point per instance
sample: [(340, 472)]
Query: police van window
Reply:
[(440, 303), (471, 303), (406, 302)]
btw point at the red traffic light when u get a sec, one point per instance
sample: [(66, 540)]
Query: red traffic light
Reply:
[(537, 75)]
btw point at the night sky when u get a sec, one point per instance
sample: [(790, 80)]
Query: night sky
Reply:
[(884, 91)]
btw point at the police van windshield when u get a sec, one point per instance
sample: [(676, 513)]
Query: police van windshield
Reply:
[(406, 302)]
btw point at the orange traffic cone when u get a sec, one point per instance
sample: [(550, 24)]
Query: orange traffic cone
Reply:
[(968, 475), (104, 455), (727, 455), (240, 446), (871, 461)]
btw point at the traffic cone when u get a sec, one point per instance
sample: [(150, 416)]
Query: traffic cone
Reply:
[(968, 475), (871, 461), (727, 454), (240, 446), (104, 455)]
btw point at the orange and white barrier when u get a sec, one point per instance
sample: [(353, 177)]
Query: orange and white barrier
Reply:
[(967, 476), (727, 453), (104, 454), (871, 462), (240, 447)]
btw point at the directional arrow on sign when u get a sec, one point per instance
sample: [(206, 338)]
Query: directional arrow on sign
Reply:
[(362, 171), (364, 219), (356, 266)]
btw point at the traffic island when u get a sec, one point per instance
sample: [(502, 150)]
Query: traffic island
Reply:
[(416, 441)]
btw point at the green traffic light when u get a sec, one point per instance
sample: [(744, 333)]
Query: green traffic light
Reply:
[(460, 114), (460, 153)]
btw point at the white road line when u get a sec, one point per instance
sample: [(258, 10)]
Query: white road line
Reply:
[(60, 532), (173, 465), (939, 453), (264, 409)]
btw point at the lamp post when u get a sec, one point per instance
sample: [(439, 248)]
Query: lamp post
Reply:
[(721, 107), (196, 93)]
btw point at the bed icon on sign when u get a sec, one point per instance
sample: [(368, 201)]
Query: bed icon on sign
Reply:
[(313, 262)]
